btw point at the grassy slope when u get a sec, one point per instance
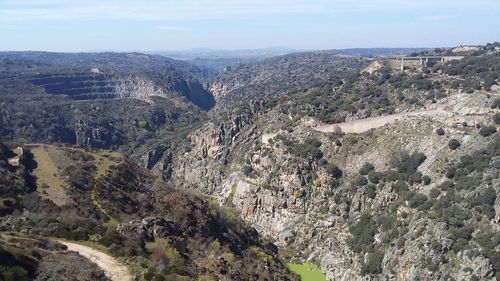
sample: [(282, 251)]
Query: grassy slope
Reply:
[(52, 159), (307, 271), (104, 163), (48, 174)]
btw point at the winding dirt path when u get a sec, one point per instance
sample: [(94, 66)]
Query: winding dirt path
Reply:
[(364, 125), (113, 269)]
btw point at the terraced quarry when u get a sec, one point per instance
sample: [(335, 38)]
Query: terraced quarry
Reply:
[(78, 86), (89, 86)]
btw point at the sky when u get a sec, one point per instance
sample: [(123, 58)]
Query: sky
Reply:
[(158, 25)]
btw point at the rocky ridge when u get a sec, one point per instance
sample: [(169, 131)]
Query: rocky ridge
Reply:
[(299, 204)]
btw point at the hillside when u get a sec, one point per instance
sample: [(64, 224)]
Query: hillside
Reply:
[(389, 175), (279, 75), (103, 76), (317, 160), (30, 257), (116, 205), (104, 100), (106, 62)]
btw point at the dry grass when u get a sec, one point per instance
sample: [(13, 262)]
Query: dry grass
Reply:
[(104, 161), (50, 185), (52, 160)]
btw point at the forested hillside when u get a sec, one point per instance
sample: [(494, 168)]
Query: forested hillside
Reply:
[(340, 159)]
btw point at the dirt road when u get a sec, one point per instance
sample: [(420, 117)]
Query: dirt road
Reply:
[(364, 125), (113, 269)]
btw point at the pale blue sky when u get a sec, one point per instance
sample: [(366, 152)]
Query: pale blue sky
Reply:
[(67, 25)]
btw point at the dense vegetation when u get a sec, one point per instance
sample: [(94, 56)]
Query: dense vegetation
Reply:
[(441, 213), (167, 233), (462, 203), (278, 77)]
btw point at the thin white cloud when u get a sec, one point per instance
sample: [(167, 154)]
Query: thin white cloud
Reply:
[(169, 27), (144, 10), (436, 17)]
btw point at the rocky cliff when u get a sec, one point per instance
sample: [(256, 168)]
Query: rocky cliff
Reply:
[(376, 203)]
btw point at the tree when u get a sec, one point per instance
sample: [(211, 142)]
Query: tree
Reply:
[(453, 144), (366, 168), (362, 233), (408, 163), (247, 170), (334, 171), (496, 118), (426, 180), (496, 103), (417, 200), (111, 237), (16, 273), (360, 181), (434, 193), (373, 264), (440, 131), (487, 131), (375, 177)]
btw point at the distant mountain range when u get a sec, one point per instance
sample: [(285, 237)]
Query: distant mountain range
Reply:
[(221, 59)]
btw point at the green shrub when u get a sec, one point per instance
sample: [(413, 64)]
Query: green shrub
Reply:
[(370, 191), (360, 181), (174, 261), (247, 170), (496, 118), (362, 233), (453, 144), (447, 185), (487, 131), (417, 200), (392, 176), (310, 148), (333, 170), (460, 245), (366, 168), (426, 180), (414, 178), (486, 197), (400, 187), (373, 264), (149, 275), (409, 163), (111, 237), (464, 232), (434, 193), (488, 240), (496, 103), (455, 216), (375, 177), (400, 242), (16, 273)]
